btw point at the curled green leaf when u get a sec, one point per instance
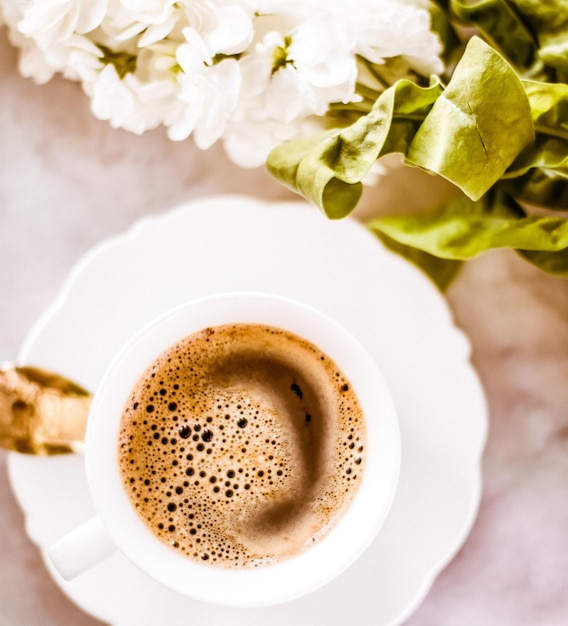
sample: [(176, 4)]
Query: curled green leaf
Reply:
[(478, 126), (302, 165), (327, 169)]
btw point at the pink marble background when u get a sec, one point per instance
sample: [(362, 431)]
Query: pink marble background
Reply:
[(67, 181)]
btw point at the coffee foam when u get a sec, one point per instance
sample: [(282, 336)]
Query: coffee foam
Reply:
[(242, 445)]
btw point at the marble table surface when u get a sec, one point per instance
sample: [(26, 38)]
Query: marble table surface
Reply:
[(68, 181)]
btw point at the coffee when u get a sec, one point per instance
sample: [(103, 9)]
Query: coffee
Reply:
[(242, 445)]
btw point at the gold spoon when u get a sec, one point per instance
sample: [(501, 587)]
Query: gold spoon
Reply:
[(41, 412)]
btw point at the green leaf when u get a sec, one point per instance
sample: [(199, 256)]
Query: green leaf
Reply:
[(500, 24), (550, 262), (549, 107), (540, 174), (443, 27), (545, 153), (300, 165), (462, 228), (548, 21), (478, 126), (327, 169), (541, 187)]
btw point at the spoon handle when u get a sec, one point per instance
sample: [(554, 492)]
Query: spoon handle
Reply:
[(41, 412)]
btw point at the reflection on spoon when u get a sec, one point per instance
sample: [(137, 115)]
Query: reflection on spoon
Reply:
[(41, 412)]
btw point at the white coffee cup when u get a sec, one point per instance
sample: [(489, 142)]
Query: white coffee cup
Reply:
[(119, 527)]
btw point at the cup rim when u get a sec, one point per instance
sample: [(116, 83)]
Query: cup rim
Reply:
[(293, 577)]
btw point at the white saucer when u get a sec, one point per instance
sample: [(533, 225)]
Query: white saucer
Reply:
[(232, 243)]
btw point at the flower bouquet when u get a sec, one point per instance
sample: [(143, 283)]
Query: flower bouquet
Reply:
[(473, 91)]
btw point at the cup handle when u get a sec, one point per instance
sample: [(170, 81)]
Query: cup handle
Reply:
[(81, 549)]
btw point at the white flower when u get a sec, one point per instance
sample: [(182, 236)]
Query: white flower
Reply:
[(253, 73), (321, 49), (152, 20), (208, 88), (32, 62), (127, 103), (52, 34), (288, 77), (207, 98), (225, 28), (388, 28), (139, 100), (58, 20)]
